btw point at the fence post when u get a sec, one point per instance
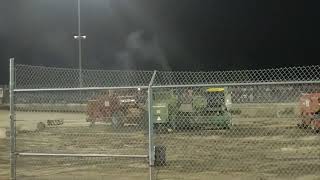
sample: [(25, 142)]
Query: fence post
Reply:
[(151, 146), (12, 122)]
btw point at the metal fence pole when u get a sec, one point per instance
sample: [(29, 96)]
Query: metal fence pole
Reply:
[(12, 122), (151, 146)]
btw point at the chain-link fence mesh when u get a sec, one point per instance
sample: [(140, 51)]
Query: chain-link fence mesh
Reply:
[(305, 73), (111, 122), (89, 133), (259, 124), (82, 168), (4, 95), (231, 133), (32, 77)]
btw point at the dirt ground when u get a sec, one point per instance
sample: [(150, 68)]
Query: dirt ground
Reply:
[(254, 148), (4, 143)]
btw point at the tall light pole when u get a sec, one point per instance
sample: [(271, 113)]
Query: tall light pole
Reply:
[(79, 37)]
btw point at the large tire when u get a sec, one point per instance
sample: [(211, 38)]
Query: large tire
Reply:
[(229, 125), (118, 119)]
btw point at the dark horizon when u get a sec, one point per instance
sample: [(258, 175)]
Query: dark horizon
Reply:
[(163, 35)]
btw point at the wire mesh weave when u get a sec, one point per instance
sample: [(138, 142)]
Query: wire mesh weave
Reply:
[(252, 124)]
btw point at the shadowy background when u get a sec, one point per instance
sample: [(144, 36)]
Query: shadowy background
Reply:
[(160, 34)]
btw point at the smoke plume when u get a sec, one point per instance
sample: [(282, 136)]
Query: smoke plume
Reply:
[(142, 47)]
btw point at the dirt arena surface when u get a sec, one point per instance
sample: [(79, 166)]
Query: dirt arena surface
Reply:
[(4, 145), (255, 148)]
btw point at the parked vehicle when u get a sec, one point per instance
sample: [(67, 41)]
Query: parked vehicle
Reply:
[(310, 111), (171, 109), (125, 106), (192, 108)]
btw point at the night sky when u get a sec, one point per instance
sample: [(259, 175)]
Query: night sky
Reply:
[(164, 34)]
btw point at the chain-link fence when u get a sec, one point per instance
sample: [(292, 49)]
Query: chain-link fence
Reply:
[(4, 95), (62, 130), (166, 125)]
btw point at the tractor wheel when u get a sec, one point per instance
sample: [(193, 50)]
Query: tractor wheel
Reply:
[(227, 127), (118, 119)]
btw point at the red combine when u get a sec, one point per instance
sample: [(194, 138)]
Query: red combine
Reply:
[(117, 108), (310, 111)]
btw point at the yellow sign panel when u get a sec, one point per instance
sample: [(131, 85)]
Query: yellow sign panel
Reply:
[(215, 90)]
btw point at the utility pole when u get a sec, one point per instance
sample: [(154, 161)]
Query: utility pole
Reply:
[(80, 37)]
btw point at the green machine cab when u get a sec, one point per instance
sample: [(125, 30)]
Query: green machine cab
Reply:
[(192, 108)]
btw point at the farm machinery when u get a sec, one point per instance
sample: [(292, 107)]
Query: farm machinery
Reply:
[(310, 111), (192, 108), (123, 106), (171, 109)]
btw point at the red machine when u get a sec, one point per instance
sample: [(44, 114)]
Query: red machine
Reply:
[(117, 108), (310, 111)]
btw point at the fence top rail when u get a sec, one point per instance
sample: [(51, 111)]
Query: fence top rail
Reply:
[(81, 89), (167, 86), (43, 78), (74, 69), (236, 84)]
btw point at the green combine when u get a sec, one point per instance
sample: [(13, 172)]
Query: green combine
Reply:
[(192, 108)]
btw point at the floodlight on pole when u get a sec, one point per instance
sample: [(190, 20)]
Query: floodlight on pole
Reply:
[(79, 37), (82, 37)]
